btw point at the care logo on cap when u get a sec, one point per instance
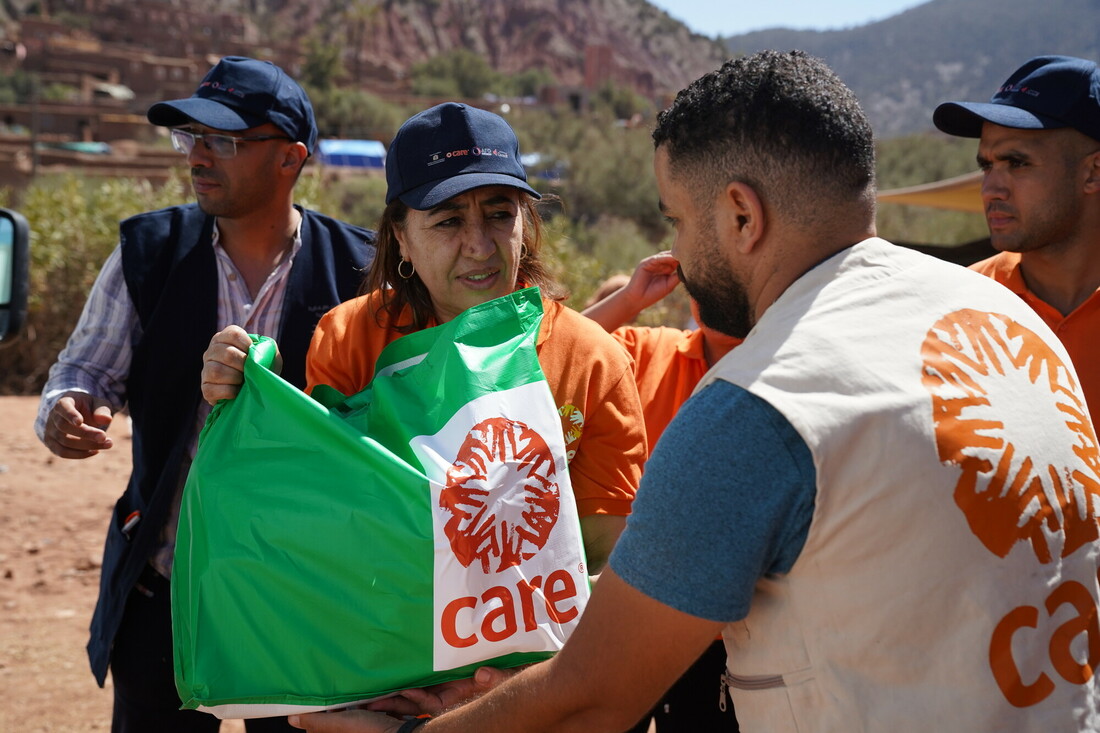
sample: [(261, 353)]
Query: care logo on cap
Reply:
[(479, 147), (217, 86), (1018, 89)]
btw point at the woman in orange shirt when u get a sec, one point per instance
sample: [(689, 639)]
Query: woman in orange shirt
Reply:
[(460, 228)]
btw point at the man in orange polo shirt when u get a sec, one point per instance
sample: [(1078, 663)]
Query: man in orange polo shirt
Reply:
[(1040, 150), (668, 363)]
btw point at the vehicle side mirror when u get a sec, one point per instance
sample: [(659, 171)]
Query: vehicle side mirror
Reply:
[(14, 272)]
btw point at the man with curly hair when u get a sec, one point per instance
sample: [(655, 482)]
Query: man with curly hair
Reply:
[(885, 498)]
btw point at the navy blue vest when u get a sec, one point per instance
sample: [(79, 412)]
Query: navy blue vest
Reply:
[(171, 274)]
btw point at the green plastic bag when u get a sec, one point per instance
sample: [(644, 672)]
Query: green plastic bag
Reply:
[(335, 550)]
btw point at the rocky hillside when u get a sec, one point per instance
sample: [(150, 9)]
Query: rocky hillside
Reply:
[(643, 40), (636, 44), (648, 50), (903, 66), (900, 67)]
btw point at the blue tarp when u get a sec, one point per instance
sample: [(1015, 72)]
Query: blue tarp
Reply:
[(352, 153)]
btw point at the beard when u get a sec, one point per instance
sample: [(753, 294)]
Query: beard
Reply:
[(216, 205), (1049, 226), (721, 298)]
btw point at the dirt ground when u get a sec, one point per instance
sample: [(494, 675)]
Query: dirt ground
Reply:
[(53, 519)]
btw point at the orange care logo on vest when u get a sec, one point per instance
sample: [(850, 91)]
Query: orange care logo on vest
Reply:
[(509, 568), (976, 367)]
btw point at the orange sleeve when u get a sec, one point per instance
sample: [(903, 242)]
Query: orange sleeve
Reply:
[(593, 384), (668, 363), (346, 345)]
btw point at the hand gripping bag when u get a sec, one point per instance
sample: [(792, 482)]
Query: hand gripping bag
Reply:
[(336, 550)]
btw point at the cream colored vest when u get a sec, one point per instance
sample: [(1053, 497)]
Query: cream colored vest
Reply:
[(949, 579)]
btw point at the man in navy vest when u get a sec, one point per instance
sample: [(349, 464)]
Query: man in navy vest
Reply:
[(244, 255)]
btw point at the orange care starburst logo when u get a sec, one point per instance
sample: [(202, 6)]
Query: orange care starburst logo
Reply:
[(572, 426), (501, 494), (986, 373)]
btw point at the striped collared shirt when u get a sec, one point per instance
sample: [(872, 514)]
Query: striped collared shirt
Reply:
[(97, 358)]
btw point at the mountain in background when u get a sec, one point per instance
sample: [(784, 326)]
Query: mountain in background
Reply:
[(903, 66), (582, 43), (900, 67), (640, 45)]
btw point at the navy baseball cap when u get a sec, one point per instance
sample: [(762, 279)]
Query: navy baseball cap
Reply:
[(449, 149), (1046, 93), (240, 93)]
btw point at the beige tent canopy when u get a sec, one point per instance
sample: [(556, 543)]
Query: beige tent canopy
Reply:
[(961, 193)]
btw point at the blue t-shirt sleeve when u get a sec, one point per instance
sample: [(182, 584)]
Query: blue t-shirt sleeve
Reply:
[(727, 498)]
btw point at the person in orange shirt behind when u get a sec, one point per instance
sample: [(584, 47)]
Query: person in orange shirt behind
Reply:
[(668, 363), (1040, 150)]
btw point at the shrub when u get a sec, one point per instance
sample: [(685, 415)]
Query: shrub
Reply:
[(74, 226), (917, 159), (460, 72), (607, 220)]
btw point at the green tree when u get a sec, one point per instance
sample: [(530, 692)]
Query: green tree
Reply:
[(352, 113), (20, 87), (16, 87), (323, 65), (460, 72), (622, 102), (528, 83), (74, 226), (611, 174), (358, 17)]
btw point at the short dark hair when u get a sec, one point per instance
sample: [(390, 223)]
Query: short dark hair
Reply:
[(781, 122), (400, 292)]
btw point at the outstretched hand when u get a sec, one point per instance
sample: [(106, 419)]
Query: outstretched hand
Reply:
[(437, 698), (432, 700), (77, 426), (345, 721)]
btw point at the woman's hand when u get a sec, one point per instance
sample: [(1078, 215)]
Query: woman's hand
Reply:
[(223, 364)]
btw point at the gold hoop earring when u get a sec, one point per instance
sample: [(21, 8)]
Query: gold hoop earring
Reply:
[(522, 252), (412, 269)]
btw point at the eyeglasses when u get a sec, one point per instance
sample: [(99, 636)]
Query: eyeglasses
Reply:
[(222, 146)]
